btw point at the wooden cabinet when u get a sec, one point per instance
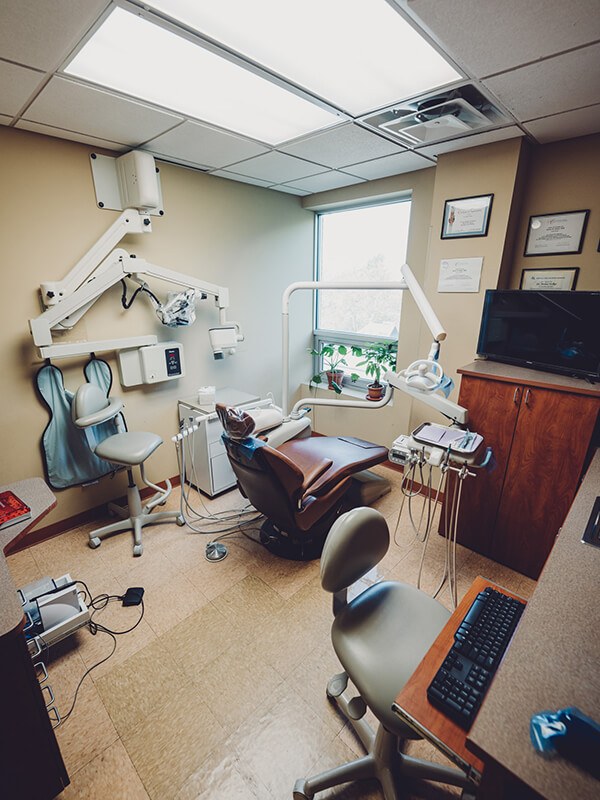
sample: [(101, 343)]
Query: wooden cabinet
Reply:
[(540, 428)]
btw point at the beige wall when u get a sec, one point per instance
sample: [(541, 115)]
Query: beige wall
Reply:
[(563, 176), (253, 240), (490, 169)]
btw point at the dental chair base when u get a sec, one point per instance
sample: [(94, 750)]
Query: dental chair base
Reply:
[(366, 487)]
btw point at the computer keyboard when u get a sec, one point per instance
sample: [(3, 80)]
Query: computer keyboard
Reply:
[(480, 641)]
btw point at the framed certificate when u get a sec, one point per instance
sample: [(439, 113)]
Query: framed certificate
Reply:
[(467, 217), (547, 280), (555, 234)]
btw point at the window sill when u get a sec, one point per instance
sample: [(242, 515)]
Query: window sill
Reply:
[(353, 392)]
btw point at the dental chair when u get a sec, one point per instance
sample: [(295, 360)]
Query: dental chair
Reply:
[(380, 638), (91, 409), (302, 485)]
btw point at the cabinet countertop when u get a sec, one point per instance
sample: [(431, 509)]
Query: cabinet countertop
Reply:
[(494, 370), (40, 499), (552, 661)]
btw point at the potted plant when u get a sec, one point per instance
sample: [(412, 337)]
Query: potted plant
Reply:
[(334, 359), (379, 358)]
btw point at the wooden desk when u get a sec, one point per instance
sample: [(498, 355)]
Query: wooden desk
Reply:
[(413, 707)]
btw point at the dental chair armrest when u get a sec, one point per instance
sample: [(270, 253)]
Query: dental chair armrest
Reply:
[(103, 415), (314, 472)]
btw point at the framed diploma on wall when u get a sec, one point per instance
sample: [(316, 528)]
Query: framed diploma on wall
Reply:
[(547, 280), (467, 216), (556, 234)]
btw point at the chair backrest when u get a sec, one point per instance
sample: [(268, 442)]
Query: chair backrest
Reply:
[(91, 406), (357, 542)]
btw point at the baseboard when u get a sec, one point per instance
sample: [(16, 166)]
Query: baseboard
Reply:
[(62, 526)]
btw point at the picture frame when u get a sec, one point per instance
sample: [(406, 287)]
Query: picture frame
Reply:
[(550, 279), (556, 234), (467, 217)]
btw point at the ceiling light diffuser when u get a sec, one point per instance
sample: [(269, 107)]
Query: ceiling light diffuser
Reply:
[(141, 59), (358, 55)]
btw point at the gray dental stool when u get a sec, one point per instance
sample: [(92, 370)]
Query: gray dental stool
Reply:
[(91, 409), (380, 638)]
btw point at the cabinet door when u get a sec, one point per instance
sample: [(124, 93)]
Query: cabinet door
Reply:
[(551, 439), (493, 407)]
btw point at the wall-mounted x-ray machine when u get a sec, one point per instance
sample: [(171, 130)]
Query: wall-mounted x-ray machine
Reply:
[(105, 265)]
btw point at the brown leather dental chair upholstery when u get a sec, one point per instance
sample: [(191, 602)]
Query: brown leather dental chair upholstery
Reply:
[(301, 486)]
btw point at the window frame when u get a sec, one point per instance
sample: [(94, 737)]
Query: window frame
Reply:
[(323, 335)]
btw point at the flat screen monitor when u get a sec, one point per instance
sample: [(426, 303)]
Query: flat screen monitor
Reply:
[(552, 331)]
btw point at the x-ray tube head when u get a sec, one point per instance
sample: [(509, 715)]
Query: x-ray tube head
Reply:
[(223, 340)]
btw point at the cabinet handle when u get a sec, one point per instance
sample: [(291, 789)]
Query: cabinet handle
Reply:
[(517, 395), (527, 395)]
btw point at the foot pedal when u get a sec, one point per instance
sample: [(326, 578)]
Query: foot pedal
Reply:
[(337, 684)]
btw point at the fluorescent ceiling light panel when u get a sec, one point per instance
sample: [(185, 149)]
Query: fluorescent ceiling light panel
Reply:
[(138, 58), (357, 54)]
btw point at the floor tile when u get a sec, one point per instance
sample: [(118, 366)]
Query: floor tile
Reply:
[(110, 775), (87, 732), (200, 639), (219, 778), (281, 743), (23, 568), (237, 682), (149, 680), (172, 742), (249, 603)]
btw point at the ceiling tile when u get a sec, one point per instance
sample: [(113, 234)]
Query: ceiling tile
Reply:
[(562, 83), (16, 86), (200, 144), (277, 168), (4, 120), (568, 125), (390, 165), (290, 190), (72, 106), (326, 181), (42, 34), (234, 176), (474, 140), (58, 133), (487, 40), (338, 147)]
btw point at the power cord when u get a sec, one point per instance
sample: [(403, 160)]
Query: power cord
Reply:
[(98, 603)]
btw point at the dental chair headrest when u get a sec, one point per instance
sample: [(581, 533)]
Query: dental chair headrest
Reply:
[(236, 422)]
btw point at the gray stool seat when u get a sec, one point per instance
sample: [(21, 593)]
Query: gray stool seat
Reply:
[(380, 638), (91, 408), (130, 448)]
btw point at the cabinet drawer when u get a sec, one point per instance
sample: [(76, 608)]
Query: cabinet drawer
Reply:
[(216, 448), (222, 475), (214, 429)]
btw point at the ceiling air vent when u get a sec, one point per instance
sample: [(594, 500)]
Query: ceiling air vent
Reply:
[(436, 117)]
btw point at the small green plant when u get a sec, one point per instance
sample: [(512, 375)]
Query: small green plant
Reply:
[(379, 358), (334, 359)]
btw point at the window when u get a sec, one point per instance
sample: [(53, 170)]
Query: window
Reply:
[(366, 243)]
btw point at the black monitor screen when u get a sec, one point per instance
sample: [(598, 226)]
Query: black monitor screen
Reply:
[(554, 331)]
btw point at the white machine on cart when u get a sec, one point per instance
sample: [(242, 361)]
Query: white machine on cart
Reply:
[(54, 609)]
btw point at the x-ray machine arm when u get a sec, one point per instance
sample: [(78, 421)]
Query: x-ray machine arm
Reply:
[(100, 268)]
